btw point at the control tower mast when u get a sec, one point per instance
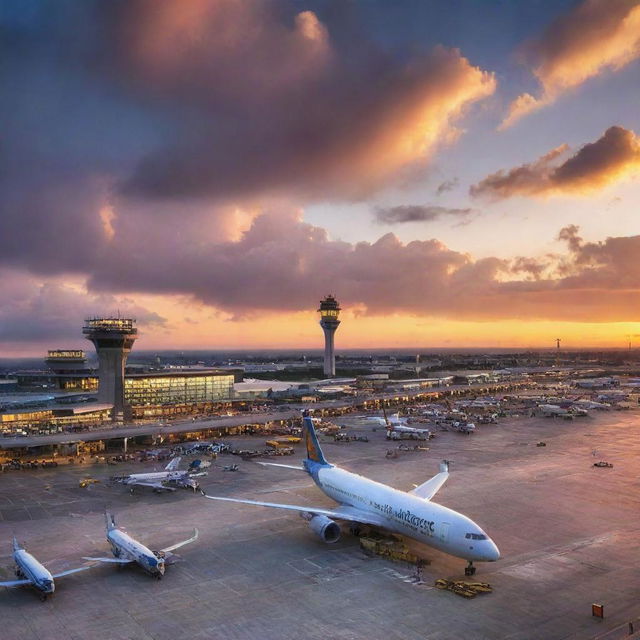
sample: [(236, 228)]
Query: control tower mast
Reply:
[(329, 312), (113, 339)]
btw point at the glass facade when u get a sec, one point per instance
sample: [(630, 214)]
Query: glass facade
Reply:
[(169, 388)]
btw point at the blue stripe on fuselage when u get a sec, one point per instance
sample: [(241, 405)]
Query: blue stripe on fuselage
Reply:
[(313, 469)]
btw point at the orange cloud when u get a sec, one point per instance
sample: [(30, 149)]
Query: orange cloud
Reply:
[(594, 37), (613, 157), (333, 118)]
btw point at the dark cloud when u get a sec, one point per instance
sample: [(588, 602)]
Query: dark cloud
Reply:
[(419, 213), (281, 263), (447, 185), (613, 157), (41, 311), (161, 112)]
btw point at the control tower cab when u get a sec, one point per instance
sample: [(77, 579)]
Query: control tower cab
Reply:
[(329, 321), (113, 339)]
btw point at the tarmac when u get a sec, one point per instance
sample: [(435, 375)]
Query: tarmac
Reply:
[(568, 533)]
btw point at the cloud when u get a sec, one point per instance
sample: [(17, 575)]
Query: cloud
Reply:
[(326, 124), (418, 213), (447, 185), (282, 264), (594, 37), (163, 116), (610, 159), (46, 310)]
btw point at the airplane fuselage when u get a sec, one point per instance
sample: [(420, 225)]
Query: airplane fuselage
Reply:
[(123, 546), (30, 569), (400, 428), (407, 514), (157, 476)]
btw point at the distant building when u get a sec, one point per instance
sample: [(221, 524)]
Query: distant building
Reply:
[(8, 385)]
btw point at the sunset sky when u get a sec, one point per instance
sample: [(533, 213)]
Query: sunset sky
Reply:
[(456, 172)]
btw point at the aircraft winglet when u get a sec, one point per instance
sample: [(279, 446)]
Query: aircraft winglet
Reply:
[(428, 489)]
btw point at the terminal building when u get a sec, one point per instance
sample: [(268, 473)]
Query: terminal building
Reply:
[(177, 392), (123, 393)]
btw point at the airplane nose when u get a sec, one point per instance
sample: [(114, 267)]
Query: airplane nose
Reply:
[(493, 553)]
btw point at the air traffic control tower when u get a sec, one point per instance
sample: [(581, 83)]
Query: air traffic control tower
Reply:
[(329, 312), (113, 339)]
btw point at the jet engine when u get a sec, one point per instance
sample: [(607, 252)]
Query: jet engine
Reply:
[(325, 528)]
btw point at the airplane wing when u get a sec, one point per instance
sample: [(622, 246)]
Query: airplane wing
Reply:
[(14, 583), (428, 489), (173, 547), (173, 465), (153, 485), (286, 466), (108, 560), (343, 512), (70, 571)]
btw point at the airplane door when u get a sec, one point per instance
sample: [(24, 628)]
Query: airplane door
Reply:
[(443, 531)]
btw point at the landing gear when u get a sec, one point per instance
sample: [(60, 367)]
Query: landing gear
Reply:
[(158, 576), (19, 573), (131, 491), (43, 597), (470, 570)]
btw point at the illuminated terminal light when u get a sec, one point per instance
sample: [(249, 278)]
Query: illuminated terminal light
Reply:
[(110, 324), (66, 354)]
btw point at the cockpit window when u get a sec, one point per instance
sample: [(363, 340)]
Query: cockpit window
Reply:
[(476, 536)]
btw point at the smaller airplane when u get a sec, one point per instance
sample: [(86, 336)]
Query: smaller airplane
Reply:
[(126, 550), (167, 480), (30, 572), (396, 426), (397, 432)]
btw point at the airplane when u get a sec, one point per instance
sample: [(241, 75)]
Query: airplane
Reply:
[(126, 550), (31, 572), (161, 480), (396, 424), (394, 432), (364, 501)]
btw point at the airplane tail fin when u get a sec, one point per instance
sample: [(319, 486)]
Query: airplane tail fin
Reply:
[(173, 464), (314, 452), (109, 520), (16, 544)]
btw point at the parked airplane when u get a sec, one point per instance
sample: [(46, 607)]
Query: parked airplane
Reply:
[(365, 501), (396, 432), (395, 424), (167, 480), (382, 421), (127, 550), (30, 571)]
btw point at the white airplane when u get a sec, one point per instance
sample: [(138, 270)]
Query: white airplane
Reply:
[(394, 423), (365, 501), (392, 430), (30, 572), (126, 550), (166, 480)]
